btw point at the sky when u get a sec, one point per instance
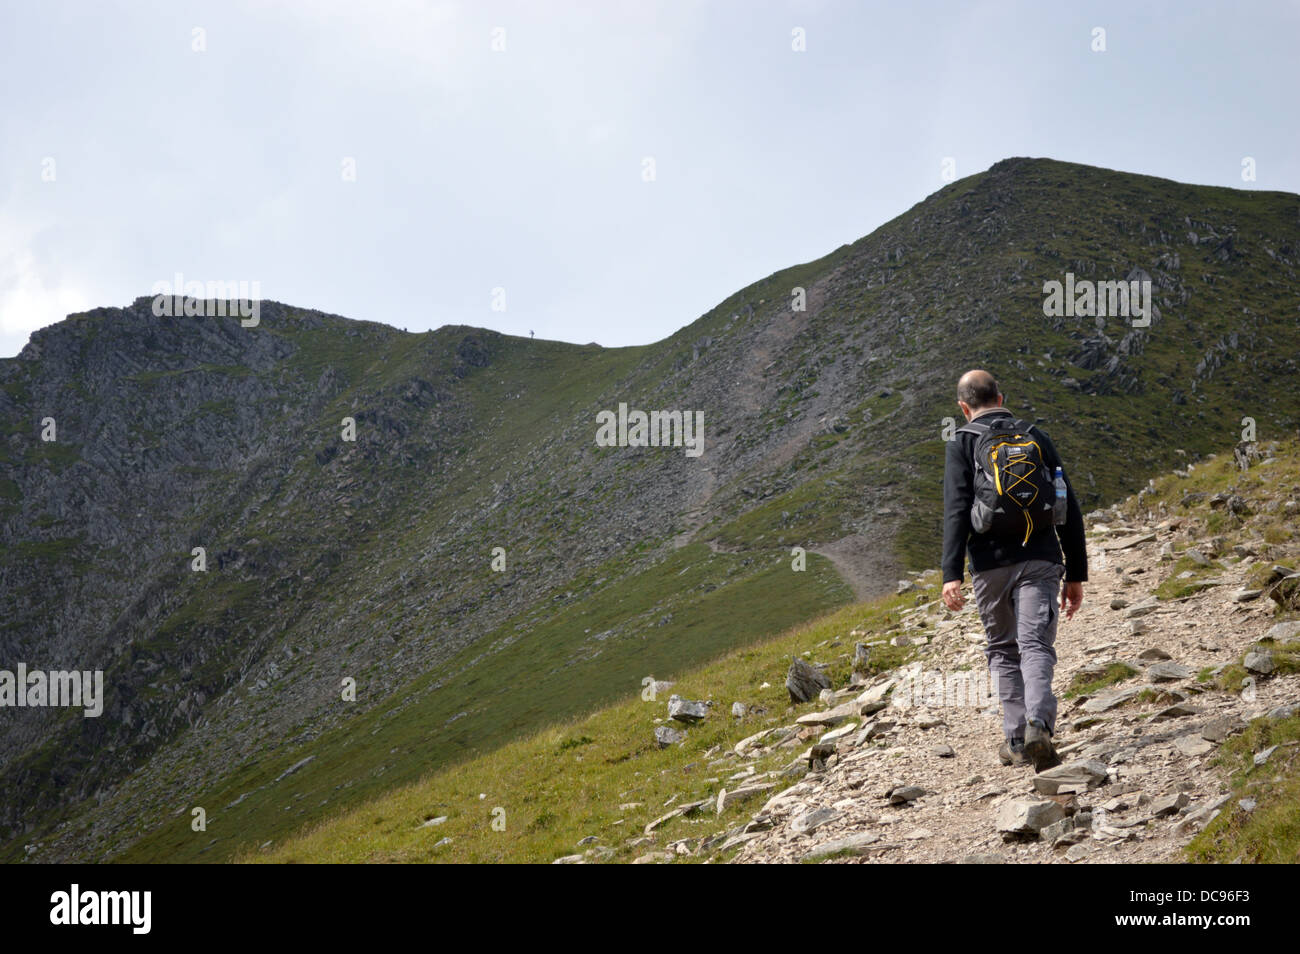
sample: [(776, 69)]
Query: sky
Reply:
[(586, 171)]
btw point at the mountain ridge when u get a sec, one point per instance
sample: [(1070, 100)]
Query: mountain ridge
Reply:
[(371, 558)]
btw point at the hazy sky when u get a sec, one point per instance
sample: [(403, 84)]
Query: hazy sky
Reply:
[(128, 155)]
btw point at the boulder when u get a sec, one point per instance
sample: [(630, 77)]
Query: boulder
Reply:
[(836, 734), (666, 735), (1284, 632), (1220, 727), (1260, 663), (1168, 672), (805, 682), (1082, 775), (1025, 817), (829, 717), (727, 799), (1193, 745), (904, 794), (1169, 804), (810, 821), (686, 710)]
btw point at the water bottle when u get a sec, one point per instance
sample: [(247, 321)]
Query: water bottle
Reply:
[(1059, 508)]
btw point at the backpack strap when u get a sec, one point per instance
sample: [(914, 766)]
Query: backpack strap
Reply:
[(979, 427), (974, 427)]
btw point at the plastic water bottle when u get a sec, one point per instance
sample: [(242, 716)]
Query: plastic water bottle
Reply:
[(1059, 508)]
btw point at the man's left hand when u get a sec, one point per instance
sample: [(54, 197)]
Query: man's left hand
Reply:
[(1071, 593)]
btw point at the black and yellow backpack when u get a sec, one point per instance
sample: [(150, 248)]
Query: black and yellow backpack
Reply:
[(1014, 490)]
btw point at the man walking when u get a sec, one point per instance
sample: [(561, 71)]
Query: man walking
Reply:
[(1005, 499)]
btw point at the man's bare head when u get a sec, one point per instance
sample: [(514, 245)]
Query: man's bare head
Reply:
[(977, 390)]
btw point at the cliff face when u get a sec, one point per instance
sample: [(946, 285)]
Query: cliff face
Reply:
[(371, 559)]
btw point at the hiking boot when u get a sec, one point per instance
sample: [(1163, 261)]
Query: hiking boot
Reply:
[(1038, 746), (1012, 752)]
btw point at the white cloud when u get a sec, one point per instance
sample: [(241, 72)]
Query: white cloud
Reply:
[(31, 296)]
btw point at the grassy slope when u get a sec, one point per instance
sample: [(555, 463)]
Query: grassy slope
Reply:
[(539, 681), (569, 781), (1271, 833)]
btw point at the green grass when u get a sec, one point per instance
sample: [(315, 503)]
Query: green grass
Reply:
[(554, 794), (1176, 586), (1086, 685), (507, 685), (1271, 833)]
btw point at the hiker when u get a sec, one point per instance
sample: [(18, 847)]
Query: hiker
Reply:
[(1006, 498)]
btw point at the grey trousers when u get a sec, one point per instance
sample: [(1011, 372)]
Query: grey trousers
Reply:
[(1018, 605)]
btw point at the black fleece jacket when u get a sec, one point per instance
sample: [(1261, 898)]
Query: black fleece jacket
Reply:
[(987, 552)]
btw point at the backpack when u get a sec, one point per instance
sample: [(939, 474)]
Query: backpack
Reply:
[(1014, 489)]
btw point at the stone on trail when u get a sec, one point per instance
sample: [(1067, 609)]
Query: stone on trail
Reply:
[(1176, 711), (1169, 804), (1080, 851), (876, 693), (1141, 609), (1168, 672), (1261, 663), (1220, 727), (1024, 817), (1284, 632), (836, 734), (1100, 648), (871, 730), (1083, 775), (829, 717), (810, 821), (1125, 543), (1111, 700), (904, 794), (853, 844), (1193, 745)]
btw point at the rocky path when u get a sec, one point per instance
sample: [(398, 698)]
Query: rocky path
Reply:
[(906, 770)]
